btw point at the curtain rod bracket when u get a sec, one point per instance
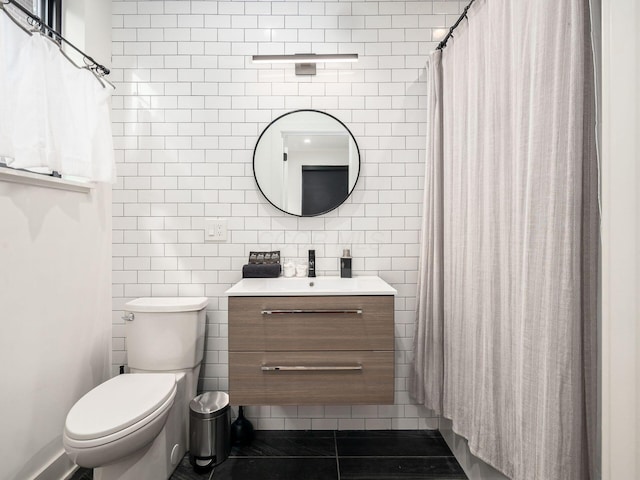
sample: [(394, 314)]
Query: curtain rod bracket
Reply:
[(36, 22), (443, 43)]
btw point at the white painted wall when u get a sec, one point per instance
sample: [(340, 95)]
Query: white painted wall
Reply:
[(620, 239), (55, 329)]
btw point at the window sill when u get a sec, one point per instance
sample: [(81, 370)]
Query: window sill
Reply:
[(35, 179)]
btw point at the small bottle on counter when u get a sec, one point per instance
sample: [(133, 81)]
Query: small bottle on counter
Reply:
[(345, 264)]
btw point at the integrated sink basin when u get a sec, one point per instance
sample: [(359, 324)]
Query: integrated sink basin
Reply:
[(304, 286)]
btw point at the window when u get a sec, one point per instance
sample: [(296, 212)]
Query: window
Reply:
[(66, 133), (50, 12)]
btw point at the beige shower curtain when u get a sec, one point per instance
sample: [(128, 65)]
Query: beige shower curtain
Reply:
[(506, 318)]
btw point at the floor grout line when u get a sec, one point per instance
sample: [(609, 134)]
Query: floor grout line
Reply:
[(398, 456), (282, 456), (335, 445)]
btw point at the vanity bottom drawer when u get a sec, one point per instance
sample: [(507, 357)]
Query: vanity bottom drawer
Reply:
[(311, 378)]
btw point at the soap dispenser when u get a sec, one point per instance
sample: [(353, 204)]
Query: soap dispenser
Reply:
[(345, 264), (312, 263)]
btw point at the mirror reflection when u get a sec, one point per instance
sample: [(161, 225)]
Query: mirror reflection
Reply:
[(306, 163)]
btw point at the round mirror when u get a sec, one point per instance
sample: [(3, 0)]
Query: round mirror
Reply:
[(306, 163)]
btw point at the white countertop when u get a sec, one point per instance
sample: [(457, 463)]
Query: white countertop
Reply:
[(304, 286)]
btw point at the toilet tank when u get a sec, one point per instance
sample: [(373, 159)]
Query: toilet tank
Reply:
[(165, 333)]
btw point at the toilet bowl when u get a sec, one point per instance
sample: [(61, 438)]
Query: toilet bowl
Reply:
[(118, 418), (130, 427), (135, 426)]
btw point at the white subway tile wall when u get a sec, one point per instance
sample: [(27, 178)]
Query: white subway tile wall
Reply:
[(187, 112)]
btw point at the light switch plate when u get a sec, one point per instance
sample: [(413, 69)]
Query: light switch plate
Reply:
[(215, 230)]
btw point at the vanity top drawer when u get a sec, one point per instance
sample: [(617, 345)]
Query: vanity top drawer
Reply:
[(311, 323)]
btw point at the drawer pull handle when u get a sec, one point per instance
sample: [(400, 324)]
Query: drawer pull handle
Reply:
[(281, 312), (310, 368)]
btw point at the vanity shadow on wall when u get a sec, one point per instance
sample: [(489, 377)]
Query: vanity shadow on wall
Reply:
[(306, 163)]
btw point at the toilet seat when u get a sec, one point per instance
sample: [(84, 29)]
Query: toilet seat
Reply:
[(119, 407)]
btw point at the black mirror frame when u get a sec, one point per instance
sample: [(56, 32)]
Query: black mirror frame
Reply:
[(298, 111)]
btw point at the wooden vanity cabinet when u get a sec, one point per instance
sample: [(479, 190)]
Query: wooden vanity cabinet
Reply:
[(311, 350)]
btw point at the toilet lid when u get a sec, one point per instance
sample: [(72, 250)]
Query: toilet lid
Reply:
[(166, 304), (118, 403)]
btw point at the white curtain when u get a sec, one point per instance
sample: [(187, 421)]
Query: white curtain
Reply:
[(506, 319), (54, 116), (428, 349)]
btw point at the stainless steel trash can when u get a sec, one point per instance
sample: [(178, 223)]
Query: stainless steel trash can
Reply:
[(209, 424)]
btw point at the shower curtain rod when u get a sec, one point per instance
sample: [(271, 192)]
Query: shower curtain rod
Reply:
[(38, 23), (443, 43)]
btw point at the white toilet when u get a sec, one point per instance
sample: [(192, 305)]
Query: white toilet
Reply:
[(135, 426)]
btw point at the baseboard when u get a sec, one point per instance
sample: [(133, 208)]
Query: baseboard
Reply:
[(475, 468), (61, 468), (70, 473)]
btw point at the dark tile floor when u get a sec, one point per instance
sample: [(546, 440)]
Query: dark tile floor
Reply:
[(329, 455)]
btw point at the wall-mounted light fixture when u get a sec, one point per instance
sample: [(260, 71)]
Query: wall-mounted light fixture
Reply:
[(306, 62)]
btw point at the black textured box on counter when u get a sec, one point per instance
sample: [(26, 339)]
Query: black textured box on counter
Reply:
[(261, 270)]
